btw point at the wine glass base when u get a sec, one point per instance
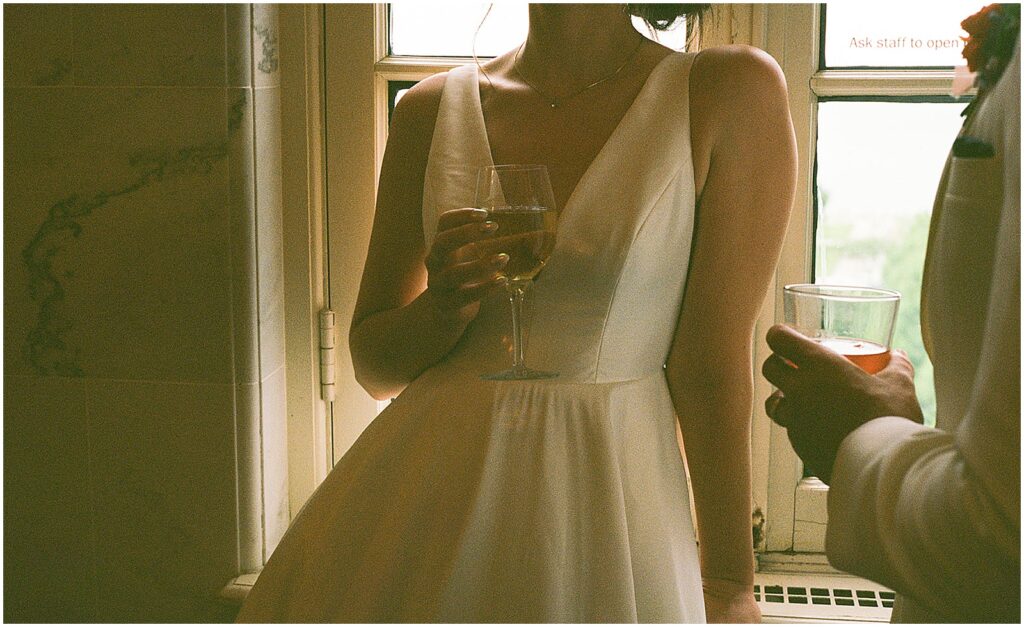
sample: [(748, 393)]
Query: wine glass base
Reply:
[(513, 374)]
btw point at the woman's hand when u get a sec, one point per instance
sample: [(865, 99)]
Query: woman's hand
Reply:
[(730, 602), (460, 271)]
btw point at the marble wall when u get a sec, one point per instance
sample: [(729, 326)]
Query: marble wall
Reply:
[(144, 394)]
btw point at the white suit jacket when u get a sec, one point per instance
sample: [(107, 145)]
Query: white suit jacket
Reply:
[(935, 513)]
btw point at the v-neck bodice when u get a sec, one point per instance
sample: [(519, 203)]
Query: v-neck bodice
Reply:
[(605, 306), (609, 142)]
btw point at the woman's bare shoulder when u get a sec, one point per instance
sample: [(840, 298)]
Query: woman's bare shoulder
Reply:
[(736, 64), (417, 109), (734, 91), (736, 76)]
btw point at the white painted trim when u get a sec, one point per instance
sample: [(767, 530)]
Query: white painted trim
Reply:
[(300, 36), (810, 514), (235, 591), (352, 44), (398, 68), (409, 68), (788, 26), (380, 120), (773, 619), (882, 83), (316, 86), (796, 511), (792, 563), (380, 31)]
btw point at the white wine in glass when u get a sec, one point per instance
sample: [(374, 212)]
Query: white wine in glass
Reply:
[(518, 198)]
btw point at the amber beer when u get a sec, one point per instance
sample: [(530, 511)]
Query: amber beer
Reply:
[(527, 234), (856, 322), (871, 357)]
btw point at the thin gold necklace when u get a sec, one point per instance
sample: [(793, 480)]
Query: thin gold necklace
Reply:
[(556, 102)]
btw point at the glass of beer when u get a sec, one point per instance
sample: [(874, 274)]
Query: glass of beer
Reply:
[(519, 199), (856, 322)]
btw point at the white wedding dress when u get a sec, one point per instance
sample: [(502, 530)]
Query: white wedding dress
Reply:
[(560, 500)]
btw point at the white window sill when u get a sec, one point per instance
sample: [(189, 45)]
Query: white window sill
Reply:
[(824, 619), (237, 589)]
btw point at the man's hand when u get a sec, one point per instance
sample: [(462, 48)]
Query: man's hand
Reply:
[(822, 396)]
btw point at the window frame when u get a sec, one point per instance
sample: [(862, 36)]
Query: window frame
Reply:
[(797, 506), (388, 68)]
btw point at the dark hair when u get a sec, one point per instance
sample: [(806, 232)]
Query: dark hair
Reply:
[(664, 16)]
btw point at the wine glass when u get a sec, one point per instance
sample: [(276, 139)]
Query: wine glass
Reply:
[(518, 198), (856, 322)]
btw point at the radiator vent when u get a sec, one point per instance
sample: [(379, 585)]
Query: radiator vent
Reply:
[(825, 596), (822, 596)]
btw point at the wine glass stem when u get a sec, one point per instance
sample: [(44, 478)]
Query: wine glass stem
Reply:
[(516, 294)]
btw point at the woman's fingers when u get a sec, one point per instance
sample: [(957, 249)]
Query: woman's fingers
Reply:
[(448, 241), (457, 217), (471, 272), (472, 293), (457, 297), (465, 262), (460, 284)]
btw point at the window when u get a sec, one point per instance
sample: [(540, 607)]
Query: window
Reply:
[(875, 120), (422, 40), (901, 36), (875, 234), (429, 29), (420, 29)]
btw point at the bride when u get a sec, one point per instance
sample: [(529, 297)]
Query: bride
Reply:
[(566, 499)]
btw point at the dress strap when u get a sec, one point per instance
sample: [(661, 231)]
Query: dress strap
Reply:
[(457, 150)]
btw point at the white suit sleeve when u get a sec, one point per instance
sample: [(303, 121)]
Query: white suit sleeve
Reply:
[(935, 515)]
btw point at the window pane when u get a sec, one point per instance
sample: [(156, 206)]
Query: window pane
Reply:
[(896, 34), (396, 89), (674, 38), (450, 30), (879, 164)]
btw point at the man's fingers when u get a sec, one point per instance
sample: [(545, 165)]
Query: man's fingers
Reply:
[(794, 346), (899, 367), (900, 362), (781, 411), (804, 352), (771, 403), (780, 372)]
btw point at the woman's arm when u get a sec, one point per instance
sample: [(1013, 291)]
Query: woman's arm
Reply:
[(401, 326), (741, 121)]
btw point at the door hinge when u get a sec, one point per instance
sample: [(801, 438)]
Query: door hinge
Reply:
[(328, 330)]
